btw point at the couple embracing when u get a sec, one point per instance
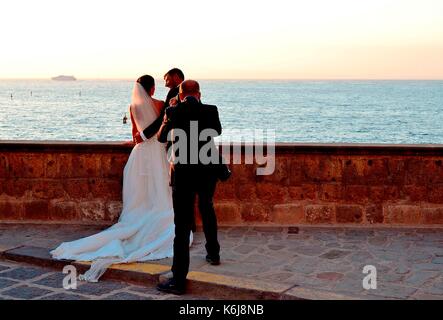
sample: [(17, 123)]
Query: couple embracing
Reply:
[(157, 221)]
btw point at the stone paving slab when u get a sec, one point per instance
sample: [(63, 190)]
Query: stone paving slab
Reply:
[(323, 259)]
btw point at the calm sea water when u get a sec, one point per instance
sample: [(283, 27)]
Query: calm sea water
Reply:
[(299, 111)]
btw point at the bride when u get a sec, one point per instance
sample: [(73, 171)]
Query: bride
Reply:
[(145, 229)]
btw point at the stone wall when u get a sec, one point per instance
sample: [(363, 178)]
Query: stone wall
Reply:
[(312, 184)]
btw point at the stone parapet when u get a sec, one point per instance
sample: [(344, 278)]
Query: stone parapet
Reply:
[(312, 184)]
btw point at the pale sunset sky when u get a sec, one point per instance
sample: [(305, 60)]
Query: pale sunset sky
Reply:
[(230, 39)]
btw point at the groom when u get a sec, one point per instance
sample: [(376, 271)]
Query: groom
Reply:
[(191, 178), (173, 78)]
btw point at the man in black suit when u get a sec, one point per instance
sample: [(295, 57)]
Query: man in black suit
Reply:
[(193, 174), (173, 78)]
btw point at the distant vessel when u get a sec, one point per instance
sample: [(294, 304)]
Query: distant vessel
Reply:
[(64, 78)]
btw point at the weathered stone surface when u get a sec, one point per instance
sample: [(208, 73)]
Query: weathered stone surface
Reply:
[(95, 290), (63, 296), (228, 212), (76, 188), (303, 192), (53, 280), (383, 185), (92, 210), (25, 292), (113, 210), (334, 254), (433, 215), (48, 189), (6, 283), (126, 296), (11, 210), (23, 273), (418, 279), (105, 189), (436, 194), (319, 214), (254, 212), (63, 210), (271, 193), (36, 210), (349, 214), (331, 192), (374, 214), (330, 276), (404, 214), (290, 213)]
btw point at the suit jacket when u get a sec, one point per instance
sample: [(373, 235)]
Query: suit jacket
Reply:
[(186, 114), (153, 128)]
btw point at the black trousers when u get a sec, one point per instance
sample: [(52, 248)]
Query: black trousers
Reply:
[(187, 185)]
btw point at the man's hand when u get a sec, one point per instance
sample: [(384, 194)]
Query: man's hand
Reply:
[(138, 138), (173, 102)]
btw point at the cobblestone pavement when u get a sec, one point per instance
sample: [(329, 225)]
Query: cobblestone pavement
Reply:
[(409, 261), (24, 282)]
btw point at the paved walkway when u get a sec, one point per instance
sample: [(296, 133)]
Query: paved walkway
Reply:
[(26, 282), (409, 262)]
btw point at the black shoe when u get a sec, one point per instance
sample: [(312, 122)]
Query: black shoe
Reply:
[(171, 286), (214, 261)]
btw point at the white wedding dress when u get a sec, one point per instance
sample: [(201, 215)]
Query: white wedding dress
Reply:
[(145, 229)]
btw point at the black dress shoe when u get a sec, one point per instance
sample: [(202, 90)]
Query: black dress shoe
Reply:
[(214, 261), (171, 286)]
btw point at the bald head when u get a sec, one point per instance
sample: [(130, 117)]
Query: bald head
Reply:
[(189, 88)]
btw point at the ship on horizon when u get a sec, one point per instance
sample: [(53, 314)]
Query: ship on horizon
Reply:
[(64, 78)]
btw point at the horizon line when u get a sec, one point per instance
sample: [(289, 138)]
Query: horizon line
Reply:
[(247, 79)]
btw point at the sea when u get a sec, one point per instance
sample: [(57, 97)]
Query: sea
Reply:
[(336, 111)]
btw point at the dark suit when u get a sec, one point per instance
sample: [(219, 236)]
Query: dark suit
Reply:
[(191, 179)]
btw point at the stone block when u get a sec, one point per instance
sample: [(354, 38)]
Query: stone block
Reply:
[(48, 189), (92, 210), (4, 172), (374, 214), (36, 210), (433, 215), (228, 212), (271, 193), (11, 210), (287, 214), (322, 169), (64, 210), (349, 214), (415, 193), (435, 193), (77, 188), (18, 187), (113, 165), (303, 192), (226, 191), (403, 214), (110, 189), (319, 213), (356, 194), (26, 165), (331, 192), (252, 212), (113, 210)]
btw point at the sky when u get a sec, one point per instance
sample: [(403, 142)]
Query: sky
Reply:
[(230, 39)]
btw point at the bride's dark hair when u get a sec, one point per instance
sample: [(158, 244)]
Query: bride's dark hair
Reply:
[(147, 82)]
